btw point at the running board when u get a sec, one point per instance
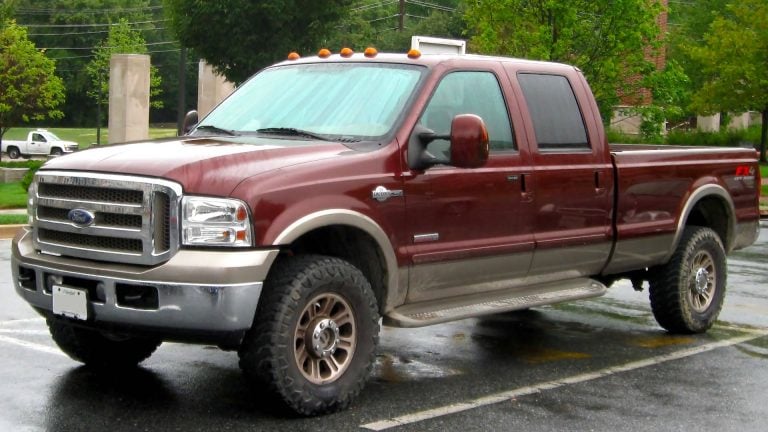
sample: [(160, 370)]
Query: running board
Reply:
[(455, 308)]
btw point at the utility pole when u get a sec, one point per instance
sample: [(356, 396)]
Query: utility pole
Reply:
[(401, 17), (182, 97)]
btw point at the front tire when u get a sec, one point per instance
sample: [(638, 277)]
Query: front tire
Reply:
[(687, 293), (56, 151), (97, 350), (314, 336)]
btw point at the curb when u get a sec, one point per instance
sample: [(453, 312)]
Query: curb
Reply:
[(9, 231)]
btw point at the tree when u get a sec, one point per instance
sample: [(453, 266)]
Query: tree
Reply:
[(238, 37), (735, 63), (121, 40), (29, 88), (608, 40)]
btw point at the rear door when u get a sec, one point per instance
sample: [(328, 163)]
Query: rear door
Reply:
[(572, 179), (470, 229)]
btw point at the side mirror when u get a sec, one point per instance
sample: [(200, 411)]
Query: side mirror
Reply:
[(469, 144), (190, 121), (469, 141)]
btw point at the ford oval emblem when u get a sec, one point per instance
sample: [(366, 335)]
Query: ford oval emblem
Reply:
[(81, 217)]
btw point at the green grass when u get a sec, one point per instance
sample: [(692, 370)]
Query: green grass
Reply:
[(83, 136), (13, 219), (12, 195)]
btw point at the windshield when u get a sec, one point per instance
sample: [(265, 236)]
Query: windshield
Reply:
[(348, 101)]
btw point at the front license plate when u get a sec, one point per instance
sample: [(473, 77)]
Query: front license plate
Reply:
[(70, 302)]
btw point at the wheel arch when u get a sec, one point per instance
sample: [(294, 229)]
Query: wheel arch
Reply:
[(709, 206), (351, 236)]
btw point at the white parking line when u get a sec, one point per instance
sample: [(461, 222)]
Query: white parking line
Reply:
[(30, 345), (549, 385)]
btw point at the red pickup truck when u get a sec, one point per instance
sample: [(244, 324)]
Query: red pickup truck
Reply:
[(329, 192)]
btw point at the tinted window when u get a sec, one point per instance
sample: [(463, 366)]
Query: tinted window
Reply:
[(469, 93), (555, 114)]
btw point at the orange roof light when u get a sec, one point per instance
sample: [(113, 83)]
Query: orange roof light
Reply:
[(324, 53), (370, 52), (346, 52), (414, 54), (294, 56)]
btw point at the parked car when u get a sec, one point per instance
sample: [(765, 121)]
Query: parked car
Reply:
[(38, 142)]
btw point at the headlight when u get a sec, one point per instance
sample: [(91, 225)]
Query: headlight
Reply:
[(215, 222)]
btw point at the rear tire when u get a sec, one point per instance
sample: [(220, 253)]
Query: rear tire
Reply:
[(314, 336), (13, 153), (687, 293), (97, 350)]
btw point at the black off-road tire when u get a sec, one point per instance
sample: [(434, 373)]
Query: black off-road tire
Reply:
[(687, 293), (13, 153), (303, 293), (98, 351)]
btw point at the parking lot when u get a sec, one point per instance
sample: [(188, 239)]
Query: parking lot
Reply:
[(599, 364)]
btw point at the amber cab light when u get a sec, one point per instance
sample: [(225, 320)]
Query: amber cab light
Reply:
[(294, 56), (324, 53), (346, 52), (414, 54), (370, 52)]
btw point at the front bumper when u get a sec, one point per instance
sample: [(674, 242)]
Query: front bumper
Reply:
[(201, 292)]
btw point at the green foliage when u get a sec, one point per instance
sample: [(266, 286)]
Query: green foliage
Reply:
[(734, 62), (29, 88), (19, 164), (607, 39), (121, 40), (34, 165), (723, 138), (12, 195), (13, 219), (239, 37)]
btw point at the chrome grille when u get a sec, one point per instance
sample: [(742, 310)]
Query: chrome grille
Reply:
[(134, 219)]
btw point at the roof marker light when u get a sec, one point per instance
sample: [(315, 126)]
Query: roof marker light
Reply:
[(370, 52), (293, 56), (324, 53), (414, 54), (346, 52)]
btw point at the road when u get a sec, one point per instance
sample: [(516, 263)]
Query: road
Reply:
[(599, 364)]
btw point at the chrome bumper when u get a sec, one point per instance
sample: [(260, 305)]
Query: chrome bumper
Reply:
[(195, 291)]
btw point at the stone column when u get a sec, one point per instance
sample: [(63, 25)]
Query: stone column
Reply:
[(128, 97), (212, 88), (739, 121)]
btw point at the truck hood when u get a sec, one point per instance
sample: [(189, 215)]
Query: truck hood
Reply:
[(202, 165)]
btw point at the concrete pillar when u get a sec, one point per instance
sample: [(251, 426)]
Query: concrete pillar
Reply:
[(212, 88), (739, 121), (708, 123), (128, 97)]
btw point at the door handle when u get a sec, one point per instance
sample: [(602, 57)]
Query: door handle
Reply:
[(599, 182)]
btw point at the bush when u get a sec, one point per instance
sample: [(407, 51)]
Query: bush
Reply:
[(34, 165), (724, 138)]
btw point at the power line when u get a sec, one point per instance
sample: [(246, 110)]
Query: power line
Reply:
[(90, 32), (89, 25), (49, 11), (99, 47)]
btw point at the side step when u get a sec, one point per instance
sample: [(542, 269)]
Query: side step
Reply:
[(455, 308)]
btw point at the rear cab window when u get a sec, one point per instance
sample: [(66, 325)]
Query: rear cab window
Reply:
[(557, 119)]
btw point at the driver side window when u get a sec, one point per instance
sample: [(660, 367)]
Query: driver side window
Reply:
[(38, 138), (468, 93)]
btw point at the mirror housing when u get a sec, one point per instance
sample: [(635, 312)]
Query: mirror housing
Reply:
[(469, 146), (469, 141), (190, 121)]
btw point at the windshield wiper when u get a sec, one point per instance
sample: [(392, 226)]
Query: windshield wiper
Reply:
[(289, 131), (216, 129)]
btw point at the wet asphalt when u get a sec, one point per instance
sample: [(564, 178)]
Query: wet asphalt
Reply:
[(600, 364)]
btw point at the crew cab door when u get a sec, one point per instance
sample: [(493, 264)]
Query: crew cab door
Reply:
[(469, 229), (572, 180)]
